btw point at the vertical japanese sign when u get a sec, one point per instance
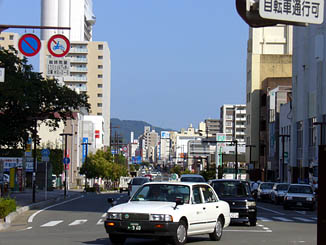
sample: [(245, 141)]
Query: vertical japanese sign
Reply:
[(2, 74), (84, 150)]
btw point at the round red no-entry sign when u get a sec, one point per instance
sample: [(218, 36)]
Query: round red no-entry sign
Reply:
[(58, 45), (29, 44)]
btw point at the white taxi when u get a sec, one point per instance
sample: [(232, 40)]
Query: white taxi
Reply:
[(170, 211)]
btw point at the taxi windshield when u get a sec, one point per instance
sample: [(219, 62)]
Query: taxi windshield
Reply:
[(163, 193)]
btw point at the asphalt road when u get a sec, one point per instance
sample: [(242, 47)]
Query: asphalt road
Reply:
[(80, 221)]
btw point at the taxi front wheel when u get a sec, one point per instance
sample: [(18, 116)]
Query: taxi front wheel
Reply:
[(218, 231), (180, 237)]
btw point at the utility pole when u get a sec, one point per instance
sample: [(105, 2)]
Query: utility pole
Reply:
[(321, 200), (283, 143), (34, 160), (65, 135), (236, 158)]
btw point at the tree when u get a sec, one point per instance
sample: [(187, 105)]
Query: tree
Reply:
[(26, 96)]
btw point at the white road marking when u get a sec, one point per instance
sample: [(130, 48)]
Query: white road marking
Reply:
[(258, 231), (282, 219), (52, 223), (104, 215), (264, 219), (28, 228), (78, 222), (301, 212), (30, 219), (100, 222), (303, 219), (270, 210)]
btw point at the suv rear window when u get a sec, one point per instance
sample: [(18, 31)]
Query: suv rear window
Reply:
[(139, 181)]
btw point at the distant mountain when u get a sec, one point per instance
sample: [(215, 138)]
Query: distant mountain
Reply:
[(124, 127)]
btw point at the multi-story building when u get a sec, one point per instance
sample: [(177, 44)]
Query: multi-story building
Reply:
[(309, 100), (269, 55), (9, 39), (76, 14), (233, 119), (90, 63), (275, 98)]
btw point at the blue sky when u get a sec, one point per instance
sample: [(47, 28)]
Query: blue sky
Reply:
[(174, 62)]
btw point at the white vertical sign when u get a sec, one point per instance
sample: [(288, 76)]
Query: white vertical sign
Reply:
[(2, 74)]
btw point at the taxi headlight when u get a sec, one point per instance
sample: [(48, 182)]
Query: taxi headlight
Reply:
[(251, 204), (116, 216), (161, 217)]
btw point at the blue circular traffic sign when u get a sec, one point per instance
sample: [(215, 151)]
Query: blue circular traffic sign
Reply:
[(66, 160), (29, 44), (45, 152)]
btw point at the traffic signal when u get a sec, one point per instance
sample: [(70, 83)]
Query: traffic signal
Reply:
[(249, 12)]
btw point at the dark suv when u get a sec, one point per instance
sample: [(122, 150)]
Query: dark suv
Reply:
[(237, 194)]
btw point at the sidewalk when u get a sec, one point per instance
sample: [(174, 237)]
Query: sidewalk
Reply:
[(24, 201)]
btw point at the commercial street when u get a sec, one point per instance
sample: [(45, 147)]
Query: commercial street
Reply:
[(80, 221)]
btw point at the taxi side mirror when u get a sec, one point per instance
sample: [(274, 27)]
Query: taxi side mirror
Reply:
[(178, 201)]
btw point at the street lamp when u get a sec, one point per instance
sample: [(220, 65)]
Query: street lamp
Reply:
[(283, 155), (250, 146), (65, 135), (86, 153)]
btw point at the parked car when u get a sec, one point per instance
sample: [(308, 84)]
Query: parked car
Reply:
[(264, 190), (169, 210), (301, 196), (135, 183), (278, 192), (192, 178), (237, 194)]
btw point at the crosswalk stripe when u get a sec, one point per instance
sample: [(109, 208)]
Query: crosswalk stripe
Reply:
[(303, 219), (78, 222), (100, 222), (282, 219), (52, 223), (104, 215)]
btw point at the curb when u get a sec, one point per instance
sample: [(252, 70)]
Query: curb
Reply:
[(10, 217)]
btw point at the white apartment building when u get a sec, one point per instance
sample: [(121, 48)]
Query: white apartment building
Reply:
[(9, 39), (233, 122), (309, 98), (76, 14)]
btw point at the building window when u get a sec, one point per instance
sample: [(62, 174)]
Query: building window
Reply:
[(2, 38), (99, 114), (100, 47), (99, 76), (100, 85), (11, 37), (100, 67), (100, 57), (99, 95), (99, 104)]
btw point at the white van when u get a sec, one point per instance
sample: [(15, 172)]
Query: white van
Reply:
[(123, 183)]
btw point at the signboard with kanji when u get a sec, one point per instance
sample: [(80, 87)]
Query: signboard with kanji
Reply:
[(301, 11), (2, 74), (58, 67)]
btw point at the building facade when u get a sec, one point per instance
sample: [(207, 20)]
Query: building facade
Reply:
[(269, 55)]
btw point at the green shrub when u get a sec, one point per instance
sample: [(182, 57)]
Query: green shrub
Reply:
[(7, 205)]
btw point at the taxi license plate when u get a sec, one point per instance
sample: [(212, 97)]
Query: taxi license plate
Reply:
[(134, 227), (234, 215)]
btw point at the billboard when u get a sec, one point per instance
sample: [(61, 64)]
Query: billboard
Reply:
[(165, 134), (84, 150)]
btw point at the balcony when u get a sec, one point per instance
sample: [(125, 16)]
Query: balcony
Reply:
[(78, 60), (75, 79), (78, 50), (80, 88), (78, 69)]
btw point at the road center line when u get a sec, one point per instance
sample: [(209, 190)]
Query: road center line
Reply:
[(270, 210), (30, 219)]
